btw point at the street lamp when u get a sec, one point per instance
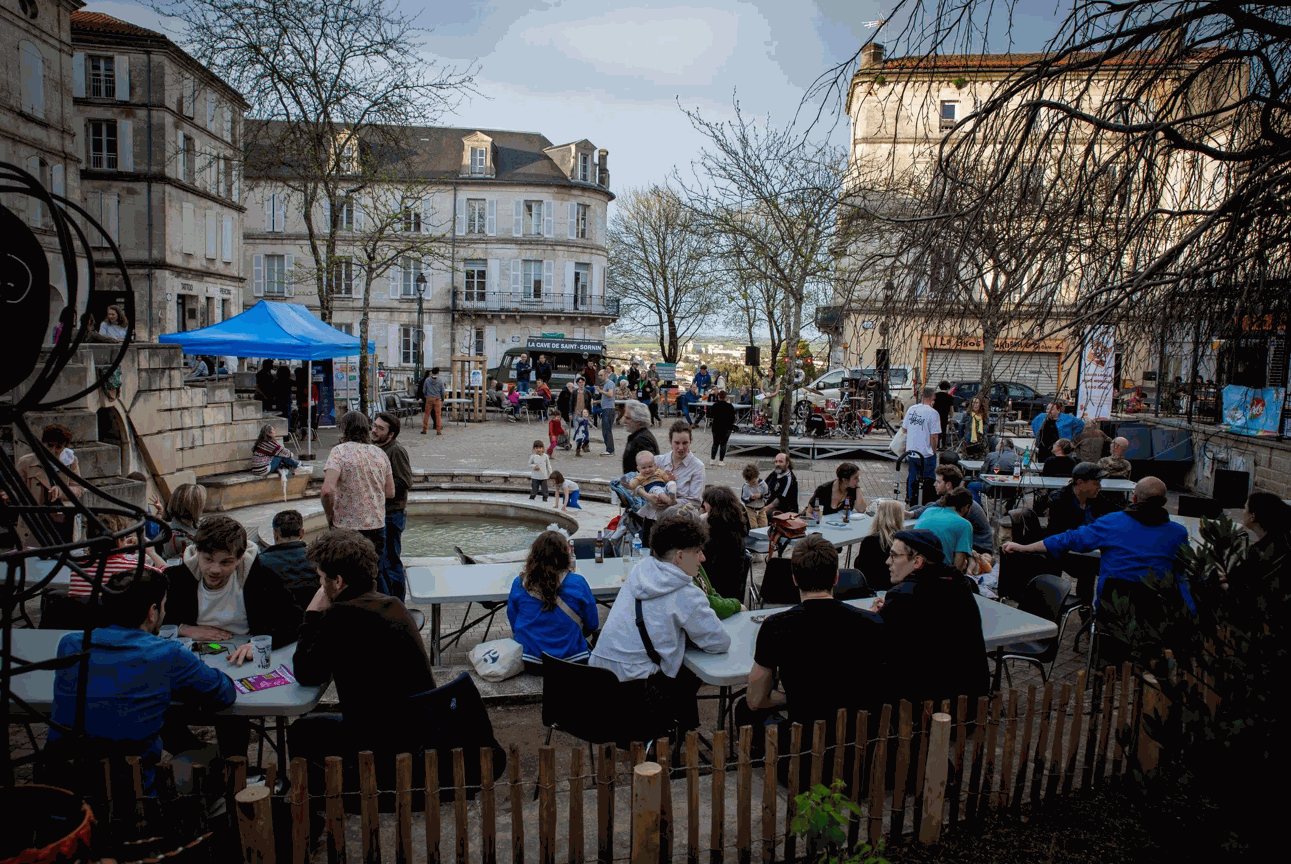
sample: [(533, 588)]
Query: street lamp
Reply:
[(421, 330)]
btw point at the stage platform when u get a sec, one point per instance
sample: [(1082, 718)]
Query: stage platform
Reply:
[(875, 445)]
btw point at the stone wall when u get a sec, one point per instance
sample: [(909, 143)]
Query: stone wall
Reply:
[(1268, 460)]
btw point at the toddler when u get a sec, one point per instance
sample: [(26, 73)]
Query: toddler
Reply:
[(650, 477), (565, 491), (539, 470), (754, 495), (582, 434), (554, 431)]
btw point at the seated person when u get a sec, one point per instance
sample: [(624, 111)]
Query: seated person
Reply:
[(928, 597), (185, 507), (513, 399), (949, 523), (1001, 461), (1115, 465), (833, 495), (347, 624), (495, 397), (551, 608), (267, 455), (134, 676), (650, 478), (286, 557), (661, 592), (950, 477), (687, 399), (791, 647), (121, 561), (1073, 506), (1061, 463)]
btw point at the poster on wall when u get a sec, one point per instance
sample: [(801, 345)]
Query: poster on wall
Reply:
[(345, 383), (1097, 374), (322, 373), (1253, 410)]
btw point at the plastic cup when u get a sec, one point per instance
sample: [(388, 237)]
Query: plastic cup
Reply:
[(263, 646), (186, 642), (168, 631)]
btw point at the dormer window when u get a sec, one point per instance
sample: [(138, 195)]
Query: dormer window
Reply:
[(347, 155), (479, 160), (478, 156), (585, 167), (949, 114)]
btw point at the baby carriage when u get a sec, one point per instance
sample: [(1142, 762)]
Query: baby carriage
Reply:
[(630, 522), (563, 441)]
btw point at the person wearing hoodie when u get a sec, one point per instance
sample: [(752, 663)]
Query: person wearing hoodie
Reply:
[(661, 602)]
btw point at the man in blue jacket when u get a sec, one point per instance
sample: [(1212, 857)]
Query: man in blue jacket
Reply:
[(522, 373), (1052, 425), (134, 675), (702, 379)]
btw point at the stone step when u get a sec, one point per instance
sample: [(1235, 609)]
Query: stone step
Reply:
[(83, 424), (98, 460), (134, 492)]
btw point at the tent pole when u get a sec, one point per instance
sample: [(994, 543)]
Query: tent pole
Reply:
[(309, 411)]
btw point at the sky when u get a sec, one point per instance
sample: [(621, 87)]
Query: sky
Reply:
[(618, 72)]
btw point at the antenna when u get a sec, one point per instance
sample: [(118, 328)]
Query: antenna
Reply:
[(873, 24)]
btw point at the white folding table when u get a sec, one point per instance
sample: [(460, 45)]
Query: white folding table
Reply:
[(841, 535)]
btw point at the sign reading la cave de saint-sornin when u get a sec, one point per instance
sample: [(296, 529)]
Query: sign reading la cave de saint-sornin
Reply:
[(590, 346)]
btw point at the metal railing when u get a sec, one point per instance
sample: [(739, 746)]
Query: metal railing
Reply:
[(518, 301)]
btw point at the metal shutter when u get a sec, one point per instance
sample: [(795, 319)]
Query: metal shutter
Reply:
[(1038, 369)]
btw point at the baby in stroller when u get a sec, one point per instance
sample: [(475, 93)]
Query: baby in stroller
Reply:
[(648, 477)]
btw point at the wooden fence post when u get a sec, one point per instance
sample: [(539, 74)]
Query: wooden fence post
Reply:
[(460, 834), (1156, 708), (605, 805), (795, 765), (488, 809), (1010, 740), (576, 834), (299, 811), (1037, 760), (667, 819), (255, 825), (1024, 763), (432, 809), (744, 798), (517, 805), (955, 784), (904, 731), (647, 782), (1077, 729), (878, 776), (692, 797), (770, 785), (934, 781), (371, 823), (975, 758), (335, 812), (717, 829), (988, 767), (547, 805)]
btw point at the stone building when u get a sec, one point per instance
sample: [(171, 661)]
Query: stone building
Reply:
[(37, 122), (513, 232), (156, 136)]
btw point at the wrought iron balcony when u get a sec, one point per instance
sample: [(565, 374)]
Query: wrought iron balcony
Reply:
[(518, 302)]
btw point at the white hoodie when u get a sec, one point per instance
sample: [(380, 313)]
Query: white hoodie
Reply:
[(673, 607)]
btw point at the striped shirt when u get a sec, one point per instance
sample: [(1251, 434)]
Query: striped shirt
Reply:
[(120, 562)]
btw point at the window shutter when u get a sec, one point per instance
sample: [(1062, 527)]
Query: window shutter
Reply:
[(289, 262), (517, 229), (122, 69), (94, 205), (428, 347), (34, 207), (569, 277), (548, 278), (491, 345), (461, 216), (212, 108), (280, 213), (396, 282), (189, 238), (492, 227), (268, 210), (591, 289), (112, 216), (327, 213), (81, 143), (427, 214), (548, 219), (394, 350), (358, 215), (56, 180), (257, 278), (491, 283), (78, 74), (125, 145), (573, 219), (211, 227), (515, 277), (227, 246)]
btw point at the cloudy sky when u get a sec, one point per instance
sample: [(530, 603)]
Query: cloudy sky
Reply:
[(615, 71)]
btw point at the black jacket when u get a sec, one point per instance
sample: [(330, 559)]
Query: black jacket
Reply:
[(269, 605), (782, 495), (642, 439), (563, 401), (935, 633), (369, 645), (542, 372), (401, 467), (1065, 513), (288, 561), (1058, 466), (722, 415)]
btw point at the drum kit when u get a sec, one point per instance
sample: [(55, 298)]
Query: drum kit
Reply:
[(856, 413)]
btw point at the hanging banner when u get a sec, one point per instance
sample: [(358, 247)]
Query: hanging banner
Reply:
[(1097, 374), (1253, 410)]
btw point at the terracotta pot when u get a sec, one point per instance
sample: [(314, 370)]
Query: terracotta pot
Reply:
[(44, 824)]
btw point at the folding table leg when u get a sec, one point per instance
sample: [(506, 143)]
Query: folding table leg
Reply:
[(435, 622)]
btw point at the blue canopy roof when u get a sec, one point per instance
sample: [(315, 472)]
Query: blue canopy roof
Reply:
[(286, 331)]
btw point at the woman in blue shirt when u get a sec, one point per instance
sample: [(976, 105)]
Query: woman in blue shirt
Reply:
[(551, 608)]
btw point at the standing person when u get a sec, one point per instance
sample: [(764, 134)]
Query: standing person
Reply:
[(264, 384), (582, 434), (554, 431), (650, 396), (722, 421), (114, 326), (842, 491), (522, 373), (783, 486), (539, 471), (684, 466), (942, 402), (551, 608), (754, 493), (565, 403), (634, 376), (1089, 444), (356, 481), (606, 392), (284, 400), (391, 579), (306, 402), (636, 417), (1054, 424), (589, 372), (975, 431), (565, 491), (433, 391), (661, 600), (923, 428), (267, 455), (542, 371)]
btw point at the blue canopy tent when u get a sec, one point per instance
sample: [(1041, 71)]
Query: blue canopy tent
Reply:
[(287, 331)]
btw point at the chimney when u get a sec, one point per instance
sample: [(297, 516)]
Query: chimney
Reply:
[(604, 178), (872, 55)]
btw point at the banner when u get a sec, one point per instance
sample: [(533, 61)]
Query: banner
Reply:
[(1097, 391), (1253, 410)]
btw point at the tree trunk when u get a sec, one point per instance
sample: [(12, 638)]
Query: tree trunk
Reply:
[(790, 368), (363, 344)]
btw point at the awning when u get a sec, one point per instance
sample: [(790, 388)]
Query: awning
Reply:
[(284, 331)]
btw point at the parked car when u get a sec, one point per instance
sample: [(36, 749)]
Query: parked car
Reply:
[(826, 387), (1025, 399)]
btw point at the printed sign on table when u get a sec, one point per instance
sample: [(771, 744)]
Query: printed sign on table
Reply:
[(277, 678), (1097, 374), (1253, 410)]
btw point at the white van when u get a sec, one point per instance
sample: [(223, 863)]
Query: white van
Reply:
[(826, 387)]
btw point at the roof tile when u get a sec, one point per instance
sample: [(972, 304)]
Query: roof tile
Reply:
[(97, 22)]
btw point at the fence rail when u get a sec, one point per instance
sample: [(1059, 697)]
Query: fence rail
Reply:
[(934, 769)]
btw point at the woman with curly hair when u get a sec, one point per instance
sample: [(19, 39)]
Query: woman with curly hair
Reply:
[(551, 608), (728, 525)]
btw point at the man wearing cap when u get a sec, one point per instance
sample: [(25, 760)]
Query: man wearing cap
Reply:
[(933, 622), (1116, 465), (1073, 506)]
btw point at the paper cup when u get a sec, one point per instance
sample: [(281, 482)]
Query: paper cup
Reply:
[(263, 646), (186, 642), (168, 631)]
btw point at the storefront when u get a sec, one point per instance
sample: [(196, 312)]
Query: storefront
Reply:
[(1036, 363)]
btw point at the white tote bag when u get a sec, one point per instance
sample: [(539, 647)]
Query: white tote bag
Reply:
[(898, 442), (498, 660)]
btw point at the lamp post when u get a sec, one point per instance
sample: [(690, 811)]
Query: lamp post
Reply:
[(421, 330)]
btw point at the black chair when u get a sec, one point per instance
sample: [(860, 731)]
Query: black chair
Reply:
[(1195, 505), (585, 549), (1017, 569), (607, 718), (58, 611), (852, 586), (778, 588), (418, 618), (1045, 597)]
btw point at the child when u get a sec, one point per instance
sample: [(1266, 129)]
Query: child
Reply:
[(650, 477), (539, 470), (554, 431), (267, 455), (118, 562), (754, 495), (514, 399), (566, 491), (582, 434)]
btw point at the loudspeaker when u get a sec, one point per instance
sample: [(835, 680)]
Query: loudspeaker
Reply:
[(752, 356), (881, 362), (1231, 487)]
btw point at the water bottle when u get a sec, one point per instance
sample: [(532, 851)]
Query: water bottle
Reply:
[(1017, 469), (813, 511), (636, 546), (847, 510), (600, 547)]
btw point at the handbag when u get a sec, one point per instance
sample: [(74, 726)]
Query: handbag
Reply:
[(898, 442), (498, 660), (783, 527)]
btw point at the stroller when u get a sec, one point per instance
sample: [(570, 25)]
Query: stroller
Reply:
[(564, 442), (630, 523)]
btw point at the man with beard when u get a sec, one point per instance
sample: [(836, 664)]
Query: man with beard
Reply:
[(782, 487), (390, 578)]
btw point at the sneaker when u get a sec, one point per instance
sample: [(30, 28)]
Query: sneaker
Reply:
[(722, 463)]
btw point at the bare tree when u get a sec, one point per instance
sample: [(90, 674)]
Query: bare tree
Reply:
[(661, 271), (334, 86), (767, 201)]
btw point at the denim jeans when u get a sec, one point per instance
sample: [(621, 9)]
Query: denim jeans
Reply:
[(390, 576), (607, 430), (917, 472), (378, 538), (522, 386), (276, 462)]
